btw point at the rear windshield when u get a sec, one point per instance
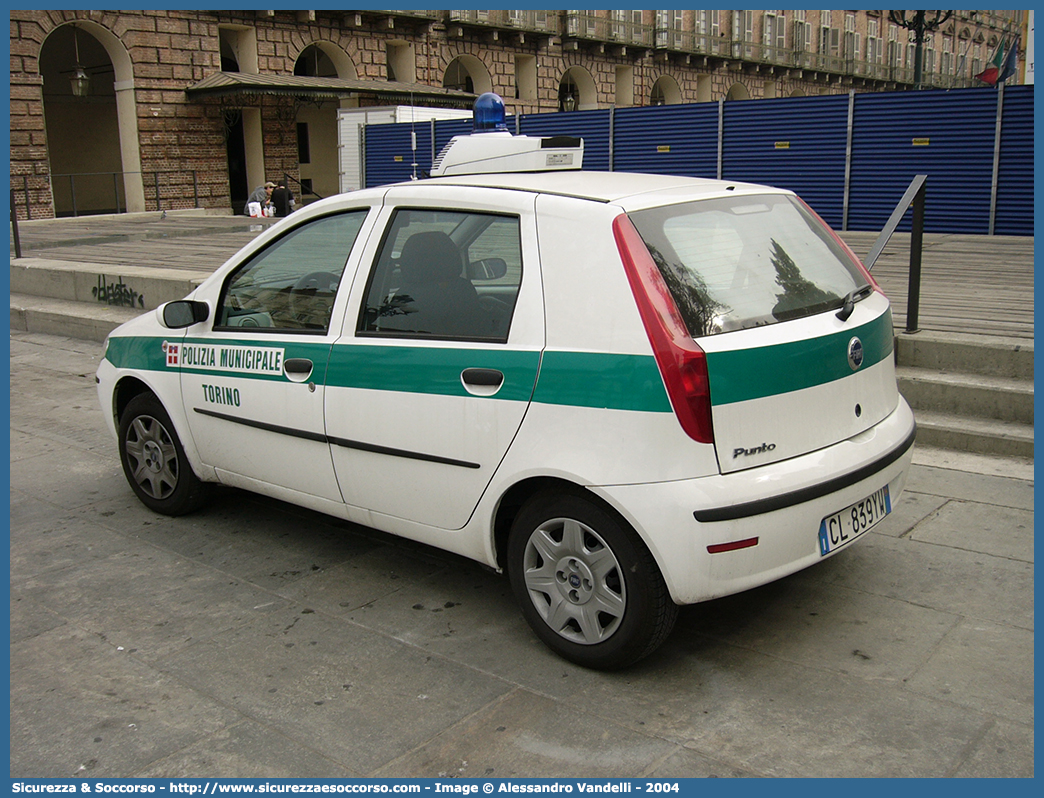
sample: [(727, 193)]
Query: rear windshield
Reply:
[(746, 261)]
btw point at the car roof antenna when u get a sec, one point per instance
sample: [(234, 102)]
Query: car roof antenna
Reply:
[(413, 135)]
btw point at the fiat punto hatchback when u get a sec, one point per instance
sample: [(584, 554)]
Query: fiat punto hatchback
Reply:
[(627, 391)]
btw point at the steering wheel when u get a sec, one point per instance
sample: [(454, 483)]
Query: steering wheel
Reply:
[(308, 286)]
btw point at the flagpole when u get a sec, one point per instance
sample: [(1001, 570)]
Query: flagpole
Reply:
[(996, 157)]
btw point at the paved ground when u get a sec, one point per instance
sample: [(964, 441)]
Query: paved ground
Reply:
[(256, 639)]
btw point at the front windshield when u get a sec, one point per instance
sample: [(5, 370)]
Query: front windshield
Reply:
[(746, 261)]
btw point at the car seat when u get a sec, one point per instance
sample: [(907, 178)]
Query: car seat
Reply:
[(436, 298)]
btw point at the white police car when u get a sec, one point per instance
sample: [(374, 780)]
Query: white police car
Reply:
[(628, 391)]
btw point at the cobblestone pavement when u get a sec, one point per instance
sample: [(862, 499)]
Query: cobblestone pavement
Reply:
[(256, 639)]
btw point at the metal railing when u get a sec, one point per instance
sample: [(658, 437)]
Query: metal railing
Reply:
[(14, 227), (88, 193), (609, 29), (684, 41), (302, 190), (531, 20), (914, 196), (687, 41), (414, 13)]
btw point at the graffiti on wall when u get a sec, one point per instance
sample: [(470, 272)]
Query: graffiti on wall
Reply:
[(117, 293)]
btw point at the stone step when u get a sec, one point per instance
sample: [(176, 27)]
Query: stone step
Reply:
[(88, 321), (978, 436), (975, 395), (990, 356), (137, 287)]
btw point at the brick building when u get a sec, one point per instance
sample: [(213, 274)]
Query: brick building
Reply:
[(139, 110)]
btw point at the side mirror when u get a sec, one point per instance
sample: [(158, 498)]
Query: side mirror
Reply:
[(184, 313), (488, 269)]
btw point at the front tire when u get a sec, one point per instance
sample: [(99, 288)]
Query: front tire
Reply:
[(587, 584), (154, 460)]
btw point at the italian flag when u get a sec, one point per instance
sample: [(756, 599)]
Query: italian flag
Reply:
[(1002, 66)]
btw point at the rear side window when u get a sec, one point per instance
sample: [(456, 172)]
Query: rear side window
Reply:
[(746, 261), (443, 274)]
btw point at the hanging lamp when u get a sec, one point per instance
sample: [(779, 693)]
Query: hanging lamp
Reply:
[(80, 80)]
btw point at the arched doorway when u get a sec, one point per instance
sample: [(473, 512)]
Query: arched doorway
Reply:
[(738, 92), (316, 123), (576, 90), (467, 73), (665, 91), (92, 130)]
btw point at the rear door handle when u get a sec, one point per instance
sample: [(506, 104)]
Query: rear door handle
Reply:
[(482, 377), (482, 382)]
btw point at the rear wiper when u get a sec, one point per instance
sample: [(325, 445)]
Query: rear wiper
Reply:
[(851, 299)]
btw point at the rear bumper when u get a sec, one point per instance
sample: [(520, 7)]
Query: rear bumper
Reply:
[(781, 505), (734, 512)]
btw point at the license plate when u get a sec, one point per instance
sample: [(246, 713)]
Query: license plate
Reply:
[(842, 528)]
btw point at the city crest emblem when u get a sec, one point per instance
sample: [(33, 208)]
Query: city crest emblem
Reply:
[(173, 352)]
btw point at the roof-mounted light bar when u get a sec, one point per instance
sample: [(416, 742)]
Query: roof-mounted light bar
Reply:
[(491, 148)]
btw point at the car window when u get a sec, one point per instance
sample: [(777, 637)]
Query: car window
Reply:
[(746, 261), (443, 274), (291, 284)]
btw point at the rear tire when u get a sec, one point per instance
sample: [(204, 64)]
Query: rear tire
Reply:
[(587, 584), (154, 460)]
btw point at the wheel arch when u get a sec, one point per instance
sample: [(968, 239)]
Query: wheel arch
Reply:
[(130, 386), (126, 389), (604, 636), (518, 494)]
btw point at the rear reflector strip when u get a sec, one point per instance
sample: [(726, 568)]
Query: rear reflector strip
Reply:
[(718, 548)]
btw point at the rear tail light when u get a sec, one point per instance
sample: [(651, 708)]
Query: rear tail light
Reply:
[(682, 363)]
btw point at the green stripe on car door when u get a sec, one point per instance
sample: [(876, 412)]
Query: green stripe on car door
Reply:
[(581, 379), (434, 370)]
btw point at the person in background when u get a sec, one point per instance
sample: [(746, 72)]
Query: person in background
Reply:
[(282, 200), (261, 195)]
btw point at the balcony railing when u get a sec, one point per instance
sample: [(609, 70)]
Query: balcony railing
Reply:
[(782, 56), (763, 53), (409, 12), (687, 41), (605, 29), (531, 21)]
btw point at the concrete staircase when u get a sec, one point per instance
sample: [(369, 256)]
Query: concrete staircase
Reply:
[(88, 300), (969, 393)]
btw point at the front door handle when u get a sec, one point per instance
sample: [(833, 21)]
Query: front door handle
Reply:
[(297, 369)]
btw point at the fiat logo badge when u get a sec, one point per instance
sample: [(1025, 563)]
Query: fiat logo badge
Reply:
[(855, 354)]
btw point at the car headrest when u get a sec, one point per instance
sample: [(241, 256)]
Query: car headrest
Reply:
[(430, 257)]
